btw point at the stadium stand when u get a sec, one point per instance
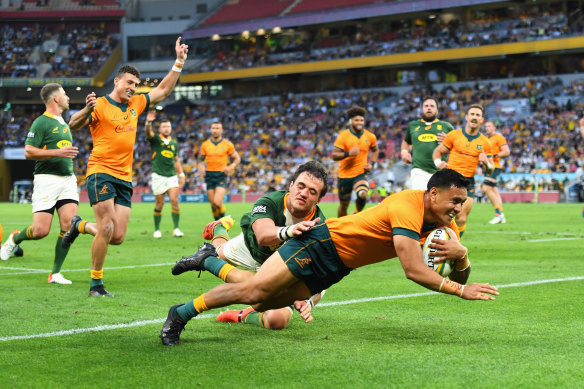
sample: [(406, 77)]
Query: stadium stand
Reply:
[(247, 9), (304, 6)]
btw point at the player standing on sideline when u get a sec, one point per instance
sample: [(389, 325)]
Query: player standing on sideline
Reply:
[(352, 148), (50, 144), (113, 121), (421, 138), (500, 149), (329, 251), (275, 218), (165, 166), (215, 152), (466, 148)]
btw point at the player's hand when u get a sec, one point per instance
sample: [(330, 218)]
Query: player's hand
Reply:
[(305, 310), (476, 291), (355, 150), (368, 167), (181, 50), (304, 226), (440, 136), (181, 181), (447, 249), (483, 158), (91, 101), (406, 157), (67, 152), (443, 165), (150, 116)]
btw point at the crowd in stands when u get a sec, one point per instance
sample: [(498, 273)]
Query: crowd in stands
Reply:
[(416, 35), (65, 49), (274, 135)]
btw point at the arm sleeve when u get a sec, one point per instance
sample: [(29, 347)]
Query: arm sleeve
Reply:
[(34, 137)]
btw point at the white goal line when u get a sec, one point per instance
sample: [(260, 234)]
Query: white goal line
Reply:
[(205, 316)]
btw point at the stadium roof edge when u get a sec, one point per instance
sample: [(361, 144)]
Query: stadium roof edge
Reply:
[(329, 16)]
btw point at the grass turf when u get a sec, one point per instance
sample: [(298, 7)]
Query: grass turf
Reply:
[(529, 337)]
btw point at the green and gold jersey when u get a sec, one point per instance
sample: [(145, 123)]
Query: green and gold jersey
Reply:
[(163, 153), (50, 133), (422, 136), (272, 206)]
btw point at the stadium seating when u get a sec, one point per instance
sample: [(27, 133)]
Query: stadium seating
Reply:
[(247, 9), (322, 5)]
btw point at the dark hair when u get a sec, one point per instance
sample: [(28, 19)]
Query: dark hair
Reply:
[(217, 122), (446, 179), (430, 98), (476, 106), (316, 170), (128, 69), (356, 111), (48, 90)]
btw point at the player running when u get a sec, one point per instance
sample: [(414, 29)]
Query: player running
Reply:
[(500, 149)]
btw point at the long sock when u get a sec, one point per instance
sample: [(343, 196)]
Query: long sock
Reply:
[(175, 217), (360, 204), (81, 226), (157, 218), (25, 234), (60, 254), (216, 214), (192, 308), (220, 232), (217, 267), (254, 317), (221, 212), (498, 211), (96, 277)]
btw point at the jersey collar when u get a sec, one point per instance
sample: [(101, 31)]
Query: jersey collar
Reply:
[(216, 143), (122, 106), (470, 137), (354, 133)]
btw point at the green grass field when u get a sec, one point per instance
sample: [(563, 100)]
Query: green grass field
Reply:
[(374, 329)]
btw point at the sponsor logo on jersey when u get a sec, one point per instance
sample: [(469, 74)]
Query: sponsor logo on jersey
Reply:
[(167, 153), (64, 143), (120, 129), (427, 138), (258, 209), (133, 112)]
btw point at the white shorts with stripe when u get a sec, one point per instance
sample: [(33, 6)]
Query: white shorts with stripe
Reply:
[(236, 253), (161, 184)]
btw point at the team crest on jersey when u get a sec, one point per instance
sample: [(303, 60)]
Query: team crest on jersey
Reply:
[(133, 112), (55, 130), (258, 209), (64, 130), (439, 127), (479, 147)]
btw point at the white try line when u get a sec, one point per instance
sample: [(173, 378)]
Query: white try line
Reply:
[(552, 239), (205, 316), (34, 271)]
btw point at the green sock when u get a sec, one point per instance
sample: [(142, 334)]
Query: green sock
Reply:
[(254, 317), (498, 211), (60, 254), (95, 282), (157, 218), (220, 230), (175, 217), (187, 311), (213, 265), (22, 235)]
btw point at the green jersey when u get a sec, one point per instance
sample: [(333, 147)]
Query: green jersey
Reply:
[(51, 132), (422, 136), (163, 153), (270, 206)]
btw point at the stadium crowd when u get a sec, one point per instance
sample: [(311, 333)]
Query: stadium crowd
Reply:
[(68, 50), (416, 35), (274, 135)]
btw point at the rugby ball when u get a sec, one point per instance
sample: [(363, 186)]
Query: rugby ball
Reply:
[(442, 268)]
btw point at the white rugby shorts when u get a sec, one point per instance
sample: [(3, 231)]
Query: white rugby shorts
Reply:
[(419, 179), (236, 253), (48, 189), (161, 184)]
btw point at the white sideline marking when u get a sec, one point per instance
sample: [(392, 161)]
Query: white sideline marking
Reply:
[(34, 271), (551, 239), (205, 316)]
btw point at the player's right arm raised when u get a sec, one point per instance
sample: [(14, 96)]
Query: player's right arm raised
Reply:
[(81, 118)]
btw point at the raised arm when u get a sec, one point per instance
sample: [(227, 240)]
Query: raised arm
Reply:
[(81, 118), (148, 126), (167, 84)]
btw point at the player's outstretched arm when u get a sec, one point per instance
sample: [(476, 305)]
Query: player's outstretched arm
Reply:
[(167, 84)]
